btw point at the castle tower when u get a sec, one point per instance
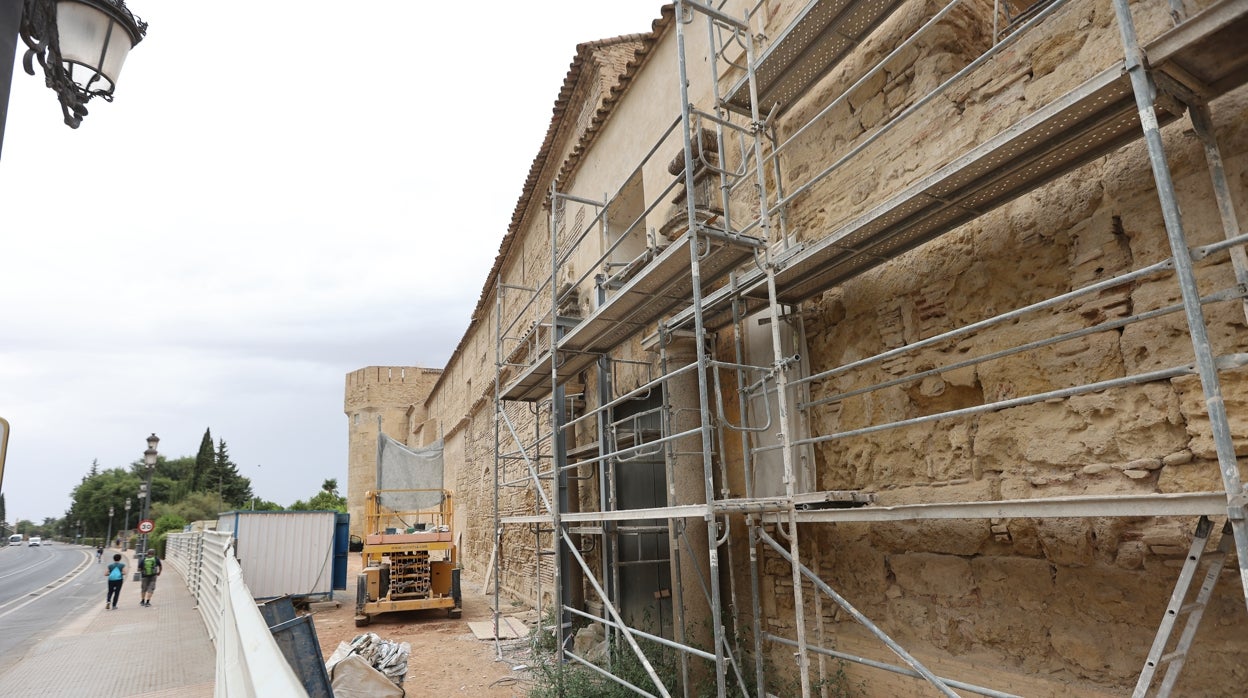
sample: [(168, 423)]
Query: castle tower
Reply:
[(397, 395)]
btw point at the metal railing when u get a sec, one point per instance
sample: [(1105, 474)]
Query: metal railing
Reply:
[(249, 662)]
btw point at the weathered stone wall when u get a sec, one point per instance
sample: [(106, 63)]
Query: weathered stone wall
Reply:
[(1074, 600), (1041, 607)]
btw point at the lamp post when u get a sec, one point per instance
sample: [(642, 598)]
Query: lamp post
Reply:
[(80, 44), (127, 526), (149, 459), (108, 539), (142, 496)]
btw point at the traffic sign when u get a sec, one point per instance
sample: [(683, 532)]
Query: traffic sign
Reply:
[(146, 526)]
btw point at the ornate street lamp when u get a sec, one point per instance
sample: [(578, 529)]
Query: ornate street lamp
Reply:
[(149, 459), (81, 45)]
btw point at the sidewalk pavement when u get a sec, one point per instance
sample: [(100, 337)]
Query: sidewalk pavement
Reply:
[(160, 651)]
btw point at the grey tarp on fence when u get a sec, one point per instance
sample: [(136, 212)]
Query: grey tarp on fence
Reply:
[(401, 467)]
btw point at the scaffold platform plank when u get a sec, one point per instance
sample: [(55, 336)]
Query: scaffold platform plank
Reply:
[(658, 287), (1087, 122), (1180, 504), (824, 32), (1203, 54), (1206, 52), (774, 509)]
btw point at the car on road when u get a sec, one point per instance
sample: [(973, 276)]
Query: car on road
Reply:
[(35, 541)]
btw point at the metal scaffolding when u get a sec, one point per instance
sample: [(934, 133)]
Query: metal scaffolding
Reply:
[(625, 464)]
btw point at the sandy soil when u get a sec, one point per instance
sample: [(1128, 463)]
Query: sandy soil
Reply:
[(446, 659)]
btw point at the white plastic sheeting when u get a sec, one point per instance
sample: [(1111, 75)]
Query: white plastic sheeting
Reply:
[(249, 662), (283, 552)]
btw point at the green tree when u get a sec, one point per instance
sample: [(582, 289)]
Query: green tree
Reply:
[(196, 506), (169, 522), (178, 471), (258, 504), (322, 501), (92, 497), (330, 486), (165, 524), (204, 462), (232, 488)]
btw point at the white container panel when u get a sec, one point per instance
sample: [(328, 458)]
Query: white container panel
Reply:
[(283, 552)]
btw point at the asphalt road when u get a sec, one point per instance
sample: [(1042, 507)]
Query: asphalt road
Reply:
[(41, 589)]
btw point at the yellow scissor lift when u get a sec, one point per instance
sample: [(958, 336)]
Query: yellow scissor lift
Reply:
[(410, 561)]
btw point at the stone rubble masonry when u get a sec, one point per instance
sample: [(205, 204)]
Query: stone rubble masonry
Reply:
[(1043, 607)]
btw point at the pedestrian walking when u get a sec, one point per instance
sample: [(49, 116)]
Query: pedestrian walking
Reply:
[(99, 553), (116, 575), (149, 570)]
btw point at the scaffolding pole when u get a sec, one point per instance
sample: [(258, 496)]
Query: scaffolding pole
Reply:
[(1206, 364)]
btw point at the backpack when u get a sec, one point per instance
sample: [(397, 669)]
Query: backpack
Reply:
[(114, 572), (149, 566)]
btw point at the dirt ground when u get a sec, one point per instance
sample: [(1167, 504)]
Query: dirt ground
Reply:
[(446, 658)]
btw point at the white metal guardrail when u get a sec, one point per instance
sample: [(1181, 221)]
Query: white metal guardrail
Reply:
[(249, 662)]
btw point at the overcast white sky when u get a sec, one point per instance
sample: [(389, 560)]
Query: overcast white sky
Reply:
[(276, 197)]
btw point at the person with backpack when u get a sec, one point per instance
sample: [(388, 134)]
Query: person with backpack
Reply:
[(149, 570), (116, 574)]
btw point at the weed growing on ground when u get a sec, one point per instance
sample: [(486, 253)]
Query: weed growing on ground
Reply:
[(574, 680), (549, 677)]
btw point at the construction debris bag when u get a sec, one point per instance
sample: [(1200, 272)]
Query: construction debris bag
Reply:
[(354, 678), (389, 658)]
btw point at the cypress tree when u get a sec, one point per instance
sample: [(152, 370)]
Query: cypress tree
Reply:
[(204, 462), (234, 488)]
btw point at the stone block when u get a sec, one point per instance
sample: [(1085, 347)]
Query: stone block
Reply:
[(1006, 582), (943, 578), (955, 536), (1199, 476), (1144, 464), (1167, 534), (1065, 541), (1025, 538), (1131, 555), (1094, 651), (1182, 457), (1234, 385)]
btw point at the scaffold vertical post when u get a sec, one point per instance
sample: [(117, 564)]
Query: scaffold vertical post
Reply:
[(1228, 464)]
